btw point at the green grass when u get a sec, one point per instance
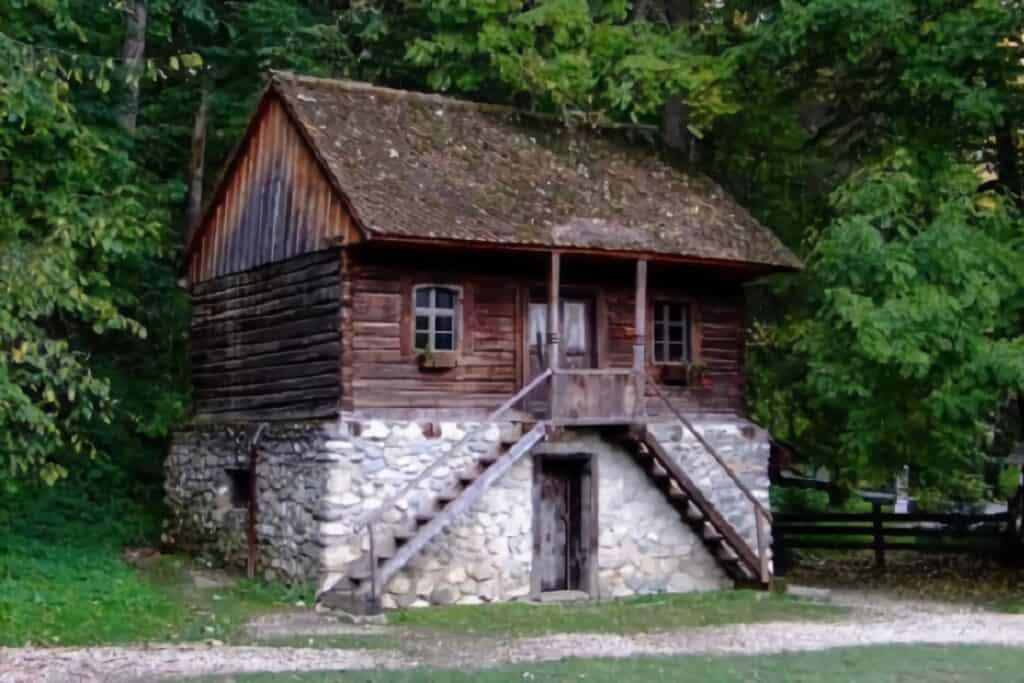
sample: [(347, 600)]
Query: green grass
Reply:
[(63, 581), (633, 615), (911, 664)]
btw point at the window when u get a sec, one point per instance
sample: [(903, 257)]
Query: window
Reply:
[(436, 318), (671, 332), (240, 482)]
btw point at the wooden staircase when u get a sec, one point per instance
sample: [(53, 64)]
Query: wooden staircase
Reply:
[(745, 565), (358, 592)]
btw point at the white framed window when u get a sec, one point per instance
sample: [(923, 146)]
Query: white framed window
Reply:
[(436, 317), (672, 333)]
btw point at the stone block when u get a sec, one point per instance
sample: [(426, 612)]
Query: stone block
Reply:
[(444, 595)]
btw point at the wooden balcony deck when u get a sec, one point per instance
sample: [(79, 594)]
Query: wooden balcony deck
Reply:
[(611, 396)]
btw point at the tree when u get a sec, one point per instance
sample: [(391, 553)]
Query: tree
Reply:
[(906, 343), (74, 220)]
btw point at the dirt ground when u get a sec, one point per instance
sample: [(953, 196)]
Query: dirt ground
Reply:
[(874, 619)]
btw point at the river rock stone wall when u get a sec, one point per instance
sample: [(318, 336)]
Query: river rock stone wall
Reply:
[(206, 515), (744, 446), (316, 480)]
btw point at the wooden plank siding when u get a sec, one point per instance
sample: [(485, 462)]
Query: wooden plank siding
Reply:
[(276, 203), (265, 343), (380, 372)]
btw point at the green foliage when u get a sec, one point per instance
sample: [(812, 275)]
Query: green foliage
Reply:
[(561, 55), (854, 128), (1009, 482), (71, 214), (908, 340)]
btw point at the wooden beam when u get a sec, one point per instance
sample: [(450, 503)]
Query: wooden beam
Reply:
[(640, 313), (640, 335), (554, 328)]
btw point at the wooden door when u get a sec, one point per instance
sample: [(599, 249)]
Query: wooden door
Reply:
[(560, 556), (578, 340)]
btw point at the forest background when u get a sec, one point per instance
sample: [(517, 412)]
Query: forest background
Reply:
[(882, 140)]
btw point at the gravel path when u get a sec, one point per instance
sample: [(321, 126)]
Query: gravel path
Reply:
[(875, 621)]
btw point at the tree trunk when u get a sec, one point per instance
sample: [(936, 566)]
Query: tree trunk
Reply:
[(1008, 162), (675, 114), (197, 165), (133, 53)]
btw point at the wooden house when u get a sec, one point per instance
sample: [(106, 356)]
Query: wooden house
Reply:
[(452, 352)]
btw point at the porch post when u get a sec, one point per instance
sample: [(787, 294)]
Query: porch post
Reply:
[(554, 285), (640, 335)]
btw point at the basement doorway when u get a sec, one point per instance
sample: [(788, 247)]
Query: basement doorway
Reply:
[(564, 524)]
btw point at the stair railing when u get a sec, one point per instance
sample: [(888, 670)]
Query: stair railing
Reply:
[(371, 518), (761, 514)]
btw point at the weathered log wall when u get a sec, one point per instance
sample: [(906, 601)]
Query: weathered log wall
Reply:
[(277, 203), (265, 342), (379, 363), (380, 369)]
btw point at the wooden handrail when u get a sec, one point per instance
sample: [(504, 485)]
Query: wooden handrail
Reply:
[(711, 450), (373, 516)]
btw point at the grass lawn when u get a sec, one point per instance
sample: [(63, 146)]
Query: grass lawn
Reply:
[(63, 581), (905, 664), (632, 615)]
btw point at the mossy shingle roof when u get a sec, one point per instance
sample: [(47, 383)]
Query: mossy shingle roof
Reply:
[(423, 166)]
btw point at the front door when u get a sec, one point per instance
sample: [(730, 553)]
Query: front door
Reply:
[(560, 517), (576, 348)]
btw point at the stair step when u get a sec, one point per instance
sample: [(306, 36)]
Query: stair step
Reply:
[(660, 473), (448, 496), (468, 477), (710, 534), (694, 515), (403, 535), (359, 570), (424, 516), (726, 554), (677, 497)]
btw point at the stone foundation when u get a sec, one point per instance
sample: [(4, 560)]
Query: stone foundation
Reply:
[(314, 480)]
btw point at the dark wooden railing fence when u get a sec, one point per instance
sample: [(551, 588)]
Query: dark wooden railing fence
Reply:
[(886, 531)]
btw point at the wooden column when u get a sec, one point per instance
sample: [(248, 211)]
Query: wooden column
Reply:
[(554, 329), (640, 335)]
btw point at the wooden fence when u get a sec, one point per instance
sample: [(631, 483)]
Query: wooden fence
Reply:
[(887, 531)]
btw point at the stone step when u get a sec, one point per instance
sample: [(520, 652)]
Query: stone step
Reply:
[(468, 477)]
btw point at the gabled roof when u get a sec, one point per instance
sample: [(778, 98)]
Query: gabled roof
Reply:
[(427, 167)]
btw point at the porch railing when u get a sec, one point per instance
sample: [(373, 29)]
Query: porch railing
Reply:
[(596, 396)]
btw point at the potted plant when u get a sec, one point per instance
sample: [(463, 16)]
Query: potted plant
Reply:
[(696, 375), (437, 360)]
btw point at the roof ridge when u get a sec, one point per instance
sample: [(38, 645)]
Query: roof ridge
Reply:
[(577, 117)]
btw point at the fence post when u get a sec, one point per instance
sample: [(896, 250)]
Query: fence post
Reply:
[(879, 540), (762, 550), (373, 569)]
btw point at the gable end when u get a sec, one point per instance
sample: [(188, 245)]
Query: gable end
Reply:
[(274, 202)]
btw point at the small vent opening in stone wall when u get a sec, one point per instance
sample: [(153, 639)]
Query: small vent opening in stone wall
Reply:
[(241, 487)]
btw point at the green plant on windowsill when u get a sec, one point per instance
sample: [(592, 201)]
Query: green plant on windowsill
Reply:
[(696, 375)]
